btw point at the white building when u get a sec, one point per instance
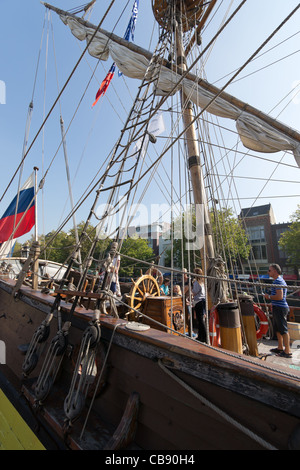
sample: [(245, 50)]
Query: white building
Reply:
[(153, 233)]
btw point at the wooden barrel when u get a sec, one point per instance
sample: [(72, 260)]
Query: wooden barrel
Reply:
[(247, 311), (230, 327), (294, 331)]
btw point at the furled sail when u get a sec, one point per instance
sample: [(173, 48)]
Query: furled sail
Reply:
[(257, 131)]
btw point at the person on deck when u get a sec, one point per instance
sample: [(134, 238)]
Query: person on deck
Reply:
[(177, 290), (185, 283), (198, 291), (164, 288), (187, 296), (114, 286), (280, 310)]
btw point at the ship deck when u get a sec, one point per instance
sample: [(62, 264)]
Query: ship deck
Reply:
[(271, 359)]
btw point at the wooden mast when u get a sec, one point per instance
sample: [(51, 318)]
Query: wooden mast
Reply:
[(194, 157), (193, 160)]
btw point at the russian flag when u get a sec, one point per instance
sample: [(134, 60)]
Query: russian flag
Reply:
[(20, 214)]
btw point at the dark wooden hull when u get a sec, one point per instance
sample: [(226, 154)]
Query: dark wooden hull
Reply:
[(188, 394)]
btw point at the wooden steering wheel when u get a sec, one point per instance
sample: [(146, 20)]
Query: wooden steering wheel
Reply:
[(157, 274), (144, 287)]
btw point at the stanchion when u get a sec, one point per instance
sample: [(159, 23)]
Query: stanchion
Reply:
[(230, 327), (247, 311)]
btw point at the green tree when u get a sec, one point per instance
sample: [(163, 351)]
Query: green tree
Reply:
[(229, 237), (290, 240), (59, 247), (181, 243), (101, 247), (136, 248), (17, 250)]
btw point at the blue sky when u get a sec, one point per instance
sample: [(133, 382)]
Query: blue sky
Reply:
[(261, 84)]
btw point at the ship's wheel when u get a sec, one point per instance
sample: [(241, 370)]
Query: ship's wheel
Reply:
[(145, 286)]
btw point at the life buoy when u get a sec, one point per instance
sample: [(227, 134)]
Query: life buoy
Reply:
[(263, 322), (214, 328)]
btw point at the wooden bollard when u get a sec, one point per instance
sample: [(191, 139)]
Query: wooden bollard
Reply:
[(247, 311), (230, 327)]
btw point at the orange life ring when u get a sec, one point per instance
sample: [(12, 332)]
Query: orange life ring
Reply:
[(214, 328), (263, 320)]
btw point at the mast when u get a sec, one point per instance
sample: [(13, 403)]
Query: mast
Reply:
[(70, 190), (183, 15), (35, 207), (35, 245), (193, 154)]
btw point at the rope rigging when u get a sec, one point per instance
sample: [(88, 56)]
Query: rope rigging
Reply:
[(262, 54), (129, 169), (57, 98), (158, 160), (131, 161), (57, 348)]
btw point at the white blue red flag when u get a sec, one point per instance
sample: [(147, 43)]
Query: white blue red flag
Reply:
[(20, 208), (129, 33), (105, 84)]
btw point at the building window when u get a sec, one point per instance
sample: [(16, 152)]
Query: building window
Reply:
[(259, 252), (279, 232), (256, 234), (257, 239)]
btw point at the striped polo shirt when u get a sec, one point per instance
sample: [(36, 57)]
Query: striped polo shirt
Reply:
[(279, 282)]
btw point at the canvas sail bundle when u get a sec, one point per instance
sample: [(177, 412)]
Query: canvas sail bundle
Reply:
[(257, 131)]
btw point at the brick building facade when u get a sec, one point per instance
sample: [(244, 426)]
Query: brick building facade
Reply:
[(263, 234)]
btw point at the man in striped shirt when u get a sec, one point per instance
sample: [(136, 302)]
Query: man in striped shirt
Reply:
[(280, 310)]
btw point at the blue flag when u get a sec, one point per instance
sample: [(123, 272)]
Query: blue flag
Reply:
[(132, 22), (131, 25), (129, 33)]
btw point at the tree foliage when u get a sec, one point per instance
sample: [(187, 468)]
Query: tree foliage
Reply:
[(230, 240), (135, 248), (290, 240), (230, 236), (60, 247)]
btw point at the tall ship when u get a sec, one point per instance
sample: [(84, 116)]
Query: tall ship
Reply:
[(88, 369)]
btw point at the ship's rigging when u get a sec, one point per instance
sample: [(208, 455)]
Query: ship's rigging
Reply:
[(131, 162)]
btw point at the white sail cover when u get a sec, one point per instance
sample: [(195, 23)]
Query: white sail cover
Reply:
[(255, 133)]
